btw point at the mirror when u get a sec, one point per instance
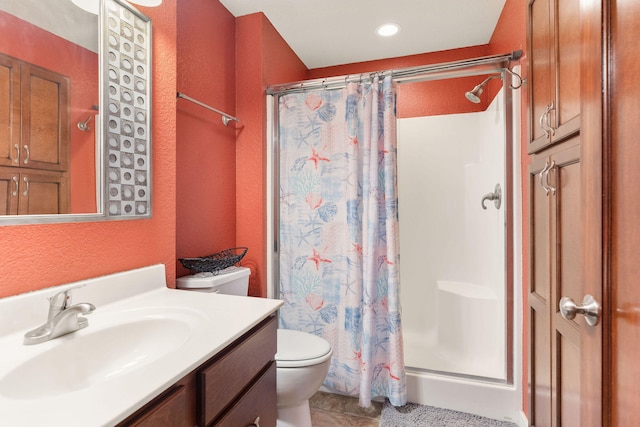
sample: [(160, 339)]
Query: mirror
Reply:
[(75, 96)]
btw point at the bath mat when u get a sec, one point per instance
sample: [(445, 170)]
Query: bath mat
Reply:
[(413, 415)]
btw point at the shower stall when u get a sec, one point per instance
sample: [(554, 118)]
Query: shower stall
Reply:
[(460, 277)]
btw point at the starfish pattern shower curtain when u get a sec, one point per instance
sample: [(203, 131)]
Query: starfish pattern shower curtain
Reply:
[(339, 261)]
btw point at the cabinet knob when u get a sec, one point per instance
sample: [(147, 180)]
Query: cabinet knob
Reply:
[(255, 423), (26, 150), (17, 158)]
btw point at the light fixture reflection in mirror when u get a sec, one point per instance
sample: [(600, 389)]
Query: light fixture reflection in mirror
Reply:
[(93, 6)]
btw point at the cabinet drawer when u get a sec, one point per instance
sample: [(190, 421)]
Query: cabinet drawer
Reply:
[(220, 383), (259, 401), (170, 410)]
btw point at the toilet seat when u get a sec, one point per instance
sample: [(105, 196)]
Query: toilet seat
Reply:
[(298, 349)]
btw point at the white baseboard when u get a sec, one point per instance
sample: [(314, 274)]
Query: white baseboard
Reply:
[(523, 421)]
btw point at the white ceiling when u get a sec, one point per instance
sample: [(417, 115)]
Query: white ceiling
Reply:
[(333, 32), (60, 17)]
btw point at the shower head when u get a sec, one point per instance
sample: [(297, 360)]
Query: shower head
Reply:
[(474, 94)]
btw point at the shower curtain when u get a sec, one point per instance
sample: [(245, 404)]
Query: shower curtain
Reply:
[(339, 261)]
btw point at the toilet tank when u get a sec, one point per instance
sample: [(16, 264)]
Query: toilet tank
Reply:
[(230, 281)]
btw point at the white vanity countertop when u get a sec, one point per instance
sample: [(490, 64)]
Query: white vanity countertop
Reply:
[(141, 339)]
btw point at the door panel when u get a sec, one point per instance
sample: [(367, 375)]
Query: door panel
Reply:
[(45, 122), (541, 43), (567, 282), (567, 64), (568, 395), (9, 111)]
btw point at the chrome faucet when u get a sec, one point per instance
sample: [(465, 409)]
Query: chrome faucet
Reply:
[(62, 319)]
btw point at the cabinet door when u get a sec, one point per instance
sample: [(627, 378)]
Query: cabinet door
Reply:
[(9, 187), (556, 271), (9, 111), (43, 193), (540, 68), (540, 304), (567, 281), (565, 116), (45, 119), (555, 42)]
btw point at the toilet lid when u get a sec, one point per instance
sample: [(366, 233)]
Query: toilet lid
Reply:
[(297, 349)]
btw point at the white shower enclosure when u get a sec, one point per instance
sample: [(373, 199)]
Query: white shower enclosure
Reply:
[(452, 249), (460, 267)]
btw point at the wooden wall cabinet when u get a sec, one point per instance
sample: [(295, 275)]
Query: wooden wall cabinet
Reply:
[(233, 388), (554, 29), (33, 192), (556, 271), (34, 116), (34, 139)]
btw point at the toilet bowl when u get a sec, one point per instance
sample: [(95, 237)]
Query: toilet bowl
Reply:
[(302, 359)]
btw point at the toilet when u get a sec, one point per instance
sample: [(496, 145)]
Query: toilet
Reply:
[(302, 359)]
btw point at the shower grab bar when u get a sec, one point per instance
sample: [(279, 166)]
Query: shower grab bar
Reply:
[(226, 118), (495, 197)]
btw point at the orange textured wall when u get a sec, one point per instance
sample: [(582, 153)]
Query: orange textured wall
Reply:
[(34, 45), (43, 255), (205, 148), (262, 59)]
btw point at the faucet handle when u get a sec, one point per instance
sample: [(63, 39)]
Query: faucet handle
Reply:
[(61, 300)]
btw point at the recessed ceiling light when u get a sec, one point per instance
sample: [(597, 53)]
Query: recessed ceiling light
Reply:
[(93, 6), (387, 30)]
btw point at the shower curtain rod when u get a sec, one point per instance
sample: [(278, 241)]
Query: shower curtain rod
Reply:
[(463, 68)]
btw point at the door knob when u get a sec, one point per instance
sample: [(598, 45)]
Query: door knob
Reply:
[(590, 309)]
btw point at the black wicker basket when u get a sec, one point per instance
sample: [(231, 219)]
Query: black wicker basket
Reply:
[(215, 262)]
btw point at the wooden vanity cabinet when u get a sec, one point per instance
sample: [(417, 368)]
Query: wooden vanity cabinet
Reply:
[(233, 388)]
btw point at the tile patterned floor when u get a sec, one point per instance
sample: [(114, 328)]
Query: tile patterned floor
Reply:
[(331, 410)]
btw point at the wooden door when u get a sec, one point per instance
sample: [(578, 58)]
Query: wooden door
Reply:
[(9, 111), (623, 226)]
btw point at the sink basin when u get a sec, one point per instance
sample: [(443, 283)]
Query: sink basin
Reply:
[(108, 348)]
